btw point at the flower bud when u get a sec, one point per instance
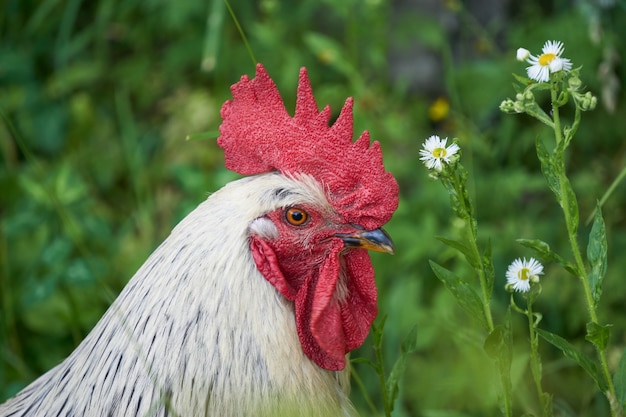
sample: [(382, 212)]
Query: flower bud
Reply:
[(507, 106), (574, 83), (522, 54), (586, 101), (528, 95)]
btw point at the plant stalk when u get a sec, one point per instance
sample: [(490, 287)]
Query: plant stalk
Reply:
[(535, 361), (580, 266), (473, 238)]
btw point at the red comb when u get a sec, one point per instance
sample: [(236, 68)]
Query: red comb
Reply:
[(258, 135)]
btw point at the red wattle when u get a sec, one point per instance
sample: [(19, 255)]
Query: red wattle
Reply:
[(330, 322)]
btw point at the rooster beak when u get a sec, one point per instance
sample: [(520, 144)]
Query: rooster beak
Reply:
[(377, 240)]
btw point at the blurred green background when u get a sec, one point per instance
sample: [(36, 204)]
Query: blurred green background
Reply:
[(97, 98)]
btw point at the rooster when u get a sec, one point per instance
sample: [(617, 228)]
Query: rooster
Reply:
[(252, 304)]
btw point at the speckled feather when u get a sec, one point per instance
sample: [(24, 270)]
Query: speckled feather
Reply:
[(197, 331)]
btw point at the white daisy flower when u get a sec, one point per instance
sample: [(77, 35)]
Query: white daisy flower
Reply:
[(435, 152), (548, 62), (521, 273)]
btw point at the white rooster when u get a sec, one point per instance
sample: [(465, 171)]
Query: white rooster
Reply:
[(251, 305)]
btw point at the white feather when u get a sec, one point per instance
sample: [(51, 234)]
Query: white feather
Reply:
[(264, 228), (198, 331)]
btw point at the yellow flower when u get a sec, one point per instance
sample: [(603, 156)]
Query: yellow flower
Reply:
[(439, 109)]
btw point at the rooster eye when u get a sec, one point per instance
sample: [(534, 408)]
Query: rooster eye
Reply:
[(296, 216)]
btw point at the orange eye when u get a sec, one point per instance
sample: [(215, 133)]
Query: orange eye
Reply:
[(296, 216)]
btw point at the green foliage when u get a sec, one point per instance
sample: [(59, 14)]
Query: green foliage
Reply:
[(597, 256), (463, 292), (619, 380), (544, 252), (499, 346), (553, 169), (408, 346), (598, 335), (563, 84), (572, 352)]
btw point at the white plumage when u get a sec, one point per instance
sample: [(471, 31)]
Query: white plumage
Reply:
[(198, 331)]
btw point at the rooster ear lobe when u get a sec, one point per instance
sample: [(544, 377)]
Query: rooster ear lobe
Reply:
[(267, 264)]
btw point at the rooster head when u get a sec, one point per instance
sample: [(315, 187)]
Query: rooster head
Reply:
[(313, 250)]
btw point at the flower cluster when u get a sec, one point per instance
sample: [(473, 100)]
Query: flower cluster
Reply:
[(549, 62), (522, 102), (522, 273), (434, 152), (550, 65)]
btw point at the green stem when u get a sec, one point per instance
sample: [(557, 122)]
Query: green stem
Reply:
[(484, 290), (484, 287), (473, 238), (368, 400), (535, 362), (467, 214), (608, 192), (381, 376), (240, 30), (593, 316), (555, 114), (580, 266)]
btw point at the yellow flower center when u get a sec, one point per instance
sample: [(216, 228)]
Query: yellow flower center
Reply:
[(523, 274), (439, 152), (545, 59)]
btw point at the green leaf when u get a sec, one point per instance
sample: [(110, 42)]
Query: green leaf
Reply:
[(548, 168), (408, 346), (498, 345), (464, 196), (463, 248), (35, 189), (364, 361), (598, 334), (597, 254), (571, 352), (522, 80), (495, 342), (465, 295), (572, 204), (619, 380), (543, 251), (552, 167), (377, 331), (455, 184)]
